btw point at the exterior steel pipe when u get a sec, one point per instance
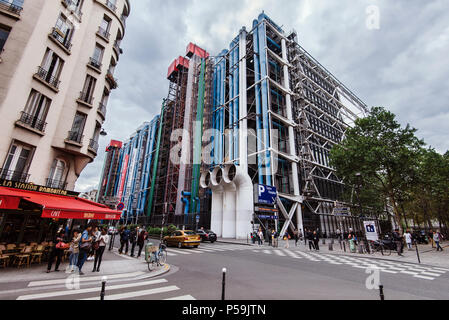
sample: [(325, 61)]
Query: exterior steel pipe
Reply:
[(229, 203), (213, 180)]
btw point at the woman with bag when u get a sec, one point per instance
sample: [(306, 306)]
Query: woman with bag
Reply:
[(99, 247), (56, 251), (74, 249), (85, 246)]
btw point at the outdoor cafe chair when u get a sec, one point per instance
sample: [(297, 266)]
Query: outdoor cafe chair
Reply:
[(36, 255), (23, 258), (4, 259)]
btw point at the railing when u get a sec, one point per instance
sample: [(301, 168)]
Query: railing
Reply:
[(70, 5), (16, 176), (111, 6), (56, 34), (75, 136), (57, 184), (95, 63), (86, 97), (47, 77), (93, 145), (112, 81), (102, 109), (103, 33), (117, 46), (6, 5), (32, 121)]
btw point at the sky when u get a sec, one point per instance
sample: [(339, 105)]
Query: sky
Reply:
[(390, 53)]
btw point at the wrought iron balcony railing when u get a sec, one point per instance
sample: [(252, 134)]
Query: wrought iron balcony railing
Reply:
[(93, 145), (16, 176), (75, 136), (104, 33), (47, 77), (111, 80), (86, 97), (117, 46), (58, 36), (111, 6), (95, 63), (32, 121), (102, 109), (72, 6), (57, 184), (8, 6)]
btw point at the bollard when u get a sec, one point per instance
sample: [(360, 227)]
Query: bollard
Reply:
[(223, 285), (344, 246), (381, 290), (417, 252), (103, 287), (331, 246)]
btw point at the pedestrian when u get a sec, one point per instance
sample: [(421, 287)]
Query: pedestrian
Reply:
[(85, 246), (74, 249), (296, 235), (124, 240), (141, 241), (133, 239), (408, 239), (430, 236), (102, 241), (96, 237), (253, 237), (437, 237), (260, 237), (57, 250), (286, 238), (316, 240), (397, 238), (269, 237), (309, 236)]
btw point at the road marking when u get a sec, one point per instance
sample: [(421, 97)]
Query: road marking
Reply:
[(187, 297), (266, 251), (293, 255), (431, 274), (409, 272), (84, 279), (89, 290), (170, 254), (423, 277), (279, 253), (135, 294), (178, 251)]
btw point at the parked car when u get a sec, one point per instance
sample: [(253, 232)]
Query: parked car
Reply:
[(183, 238), (112, 230), (207, 235)]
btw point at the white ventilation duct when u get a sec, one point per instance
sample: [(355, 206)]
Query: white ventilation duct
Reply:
[(213, 180), (229, 204)]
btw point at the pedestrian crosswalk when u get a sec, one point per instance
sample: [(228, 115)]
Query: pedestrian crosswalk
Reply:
[(205, 248), (393, 267), (118, 287)]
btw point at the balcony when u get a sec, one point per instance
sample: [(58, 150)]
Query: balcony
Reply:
[(59, 37), (56, 184), (73, 8), (16, 176), (95, 64), (103, 33), (102, 110), (32, 121), (111, 6), (44, 76), (93, 146), (10, 9), (117, 48), (86, 98), (123, 19), (75, 137), (111, 80)]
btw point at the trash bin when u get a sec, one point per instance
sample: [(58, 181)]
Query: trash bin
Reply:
[(148, 251), (352, 245)]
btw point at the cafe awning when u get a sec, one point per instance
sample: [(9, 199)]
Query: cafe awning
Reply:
[(57, 206)]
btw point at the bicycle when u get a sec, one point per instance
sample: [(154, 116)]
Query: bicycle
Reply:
[(375, 247), (157, 258)]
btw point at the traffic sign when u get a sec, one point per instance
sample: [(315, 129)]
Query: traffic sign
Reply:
[(197, 218), (120, 206), (371, 230)]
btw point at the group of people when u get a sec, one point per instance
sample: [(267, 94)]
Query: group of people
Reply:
[(89, 244), (435, 238), (135, 236)]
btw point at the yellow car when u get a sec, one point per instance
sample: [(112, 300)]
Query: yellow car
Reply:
[(183, 238)]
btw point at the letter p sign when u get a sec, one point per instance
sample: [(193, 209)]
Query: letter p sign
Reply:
[(261, 190)]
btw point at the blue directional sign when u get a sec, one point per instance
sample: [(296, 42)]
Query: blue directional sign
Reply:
[(264, 194)]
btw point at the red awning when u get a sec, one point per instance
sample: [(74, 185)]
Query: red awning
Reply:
[(56, 206)]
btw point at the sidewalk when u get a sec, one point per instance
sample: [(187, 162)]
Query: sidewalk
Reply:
[(427, 255), (112, 264)]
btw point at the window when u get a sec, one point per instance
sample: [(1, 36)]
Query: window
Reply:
[(17, 162), (88, 89), (63, 31), (14, 6), (97, 56), (51, 68), (76, 134), (36, 110), (105, 27), (56, 178), (4, 33)]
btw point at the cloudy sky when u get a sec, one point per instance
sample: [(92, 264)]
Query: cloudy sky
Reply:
[(400, 63)]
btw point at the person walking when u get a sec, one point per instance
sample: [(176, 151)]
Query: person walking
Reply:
[(309, 236), (408, 239), (74, 250), (296, 235), (124, 240), (133, 240), (437, 238), (96, 235), (260, 237), (57, 250), (102, 240), (85, 246), (269, 237), (286, 238), (397, 238), (141, 241), (316, 240)]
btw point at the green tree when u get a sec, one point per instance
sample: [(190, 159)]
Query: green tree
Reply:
[(385, 154)]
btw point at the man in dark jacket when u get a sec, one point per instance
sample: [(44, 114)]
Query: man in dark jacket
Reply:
[(309, 236), (316, 240), (141, 241), (397, 238), (124, 240), (133, 239)]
